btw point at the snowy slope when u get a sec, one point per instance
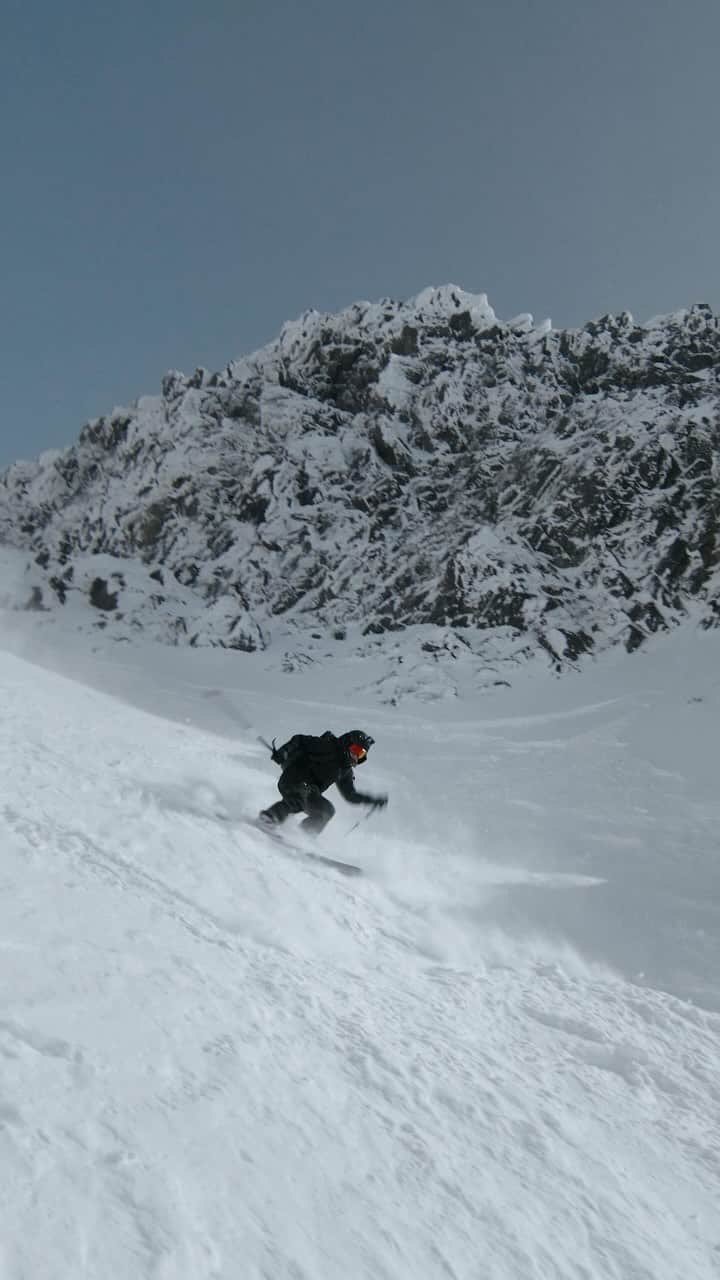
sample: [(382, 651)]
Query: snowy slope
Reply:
[(506, 491), (495, 1055)]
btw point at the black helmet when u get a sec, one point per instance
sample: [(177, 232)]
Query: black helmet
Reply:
[(356, 745)]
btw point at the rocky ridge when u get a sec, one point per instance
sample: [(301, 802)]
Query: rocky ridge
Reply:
[(507, 489)]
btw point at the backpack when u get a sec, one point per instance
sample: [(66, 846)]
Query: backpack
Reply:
[(302, 744)]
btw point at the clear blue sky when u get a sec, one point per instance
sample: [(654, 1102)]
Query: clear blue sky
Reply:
[(179, 178)]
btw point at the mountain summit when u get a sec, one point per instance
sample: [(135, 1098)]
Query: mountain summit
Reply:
[(510, 489)]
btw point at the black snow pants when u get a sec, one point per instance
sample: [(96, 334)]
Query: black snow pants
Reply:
[(300, 796)]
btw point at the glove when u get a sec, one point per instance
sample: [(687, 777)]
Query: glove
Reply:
[(378, 802), (274, 755)]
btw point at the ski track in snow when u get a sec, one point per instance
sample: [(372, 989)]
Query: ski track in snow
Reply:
[(494, 1055)]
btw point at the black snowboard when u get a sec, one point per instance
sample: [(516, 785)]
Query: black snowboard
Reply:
[(345, 868)]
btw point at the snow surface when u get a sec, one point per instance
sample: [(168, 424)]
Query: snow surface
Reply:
[(493, 1056)]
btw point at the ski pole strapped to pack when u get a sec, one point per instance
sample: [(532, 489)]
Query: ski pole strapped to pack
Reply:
[(284, 754)]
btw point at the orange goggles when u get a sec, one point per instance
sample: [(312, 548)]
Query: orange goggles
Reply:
[(356, 752)]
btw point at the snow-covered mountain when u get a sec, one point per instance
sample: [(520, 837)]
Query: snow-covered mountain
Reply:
[(510, 490), (495, 1051)]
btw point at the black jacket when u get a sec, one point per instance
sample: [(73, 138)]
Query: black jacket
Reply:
[(319, 761)]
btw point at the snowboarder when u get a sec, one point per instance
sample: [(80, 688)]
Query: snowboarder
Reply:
[(309, 766)]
